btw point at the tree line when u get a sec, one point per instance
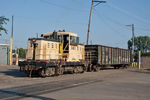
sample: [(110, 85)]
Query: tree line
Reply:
[(141, 43)]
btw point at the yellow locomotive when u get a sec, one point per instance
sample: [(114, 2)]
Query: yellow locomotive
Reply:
[(56, 45), (54, 53)]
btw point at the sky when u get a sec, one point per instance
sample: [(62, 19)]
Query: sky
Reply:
[(108, 26)]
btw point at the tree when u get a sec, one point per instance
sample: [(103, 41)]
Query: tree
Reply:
[(3, 21), (22, 52), (141, 43)]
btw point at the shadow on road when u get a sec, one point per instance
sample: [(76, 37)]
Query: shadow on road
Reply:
[(11, 95), (107, 68), (147, 71), (14, 73), (34, 90)]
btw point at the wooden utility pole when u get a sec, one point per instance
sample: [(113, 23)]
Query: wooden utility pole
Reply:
[(132, 38), (89, 25), (11, 43), (132, 25)]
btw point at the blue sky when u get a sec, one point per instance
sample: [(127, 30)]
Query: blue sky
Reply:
[(108, 20)]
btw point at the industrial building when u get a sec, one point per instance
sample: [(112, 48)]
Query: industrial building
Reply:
[(4, 54)]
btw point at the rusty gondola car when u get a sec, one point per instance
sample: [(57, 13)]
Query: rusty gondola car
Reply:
[(98, 56)]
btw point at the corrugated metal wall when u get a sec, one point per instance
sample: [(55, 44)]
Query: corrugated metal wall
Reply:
[(4, 54), (146, 62)]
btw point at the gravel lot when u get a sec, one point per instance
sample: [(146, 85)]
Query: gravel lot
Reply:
[(107, 84)]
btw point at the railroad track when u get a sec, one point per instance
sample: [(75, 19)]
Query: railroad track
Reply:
[(42, 88)]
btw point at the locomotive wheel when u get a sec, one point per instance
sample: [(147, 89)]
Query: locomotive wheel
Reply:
[(81, 69), (47, 72), (52, 71), (42, 72), (85, 68), (75, 70), (78, 69), (96, 68), (60, 71)]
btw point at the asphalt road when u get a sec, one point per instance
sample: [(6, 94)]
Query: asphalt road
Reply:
[(122, 84)]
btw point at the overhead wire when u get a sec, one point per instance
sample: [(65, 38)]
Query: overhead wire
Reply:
[(144, 29), (67, 9), (100, 16), (62, 6), (122, 25), (128, 13)]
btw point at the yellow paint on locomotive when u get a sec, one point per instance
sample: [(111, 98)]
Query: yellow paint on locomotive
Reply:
[(65, 49)]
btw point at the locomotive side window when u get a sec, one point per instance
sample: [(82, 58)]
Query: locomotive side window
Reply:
[(52, 45), (48, 45), (74, 40)]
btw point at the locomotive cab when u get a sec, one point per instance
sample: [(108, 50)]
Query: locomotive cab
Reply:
[(69, 47)]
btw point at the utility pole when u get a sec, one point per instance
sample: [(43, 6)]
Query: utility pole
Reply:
[(11, 42), (132, 38), (132, 25), (89, 25)]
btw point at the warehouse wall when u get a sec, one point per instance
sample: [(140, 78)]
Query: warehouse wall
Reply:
[(146, 62), (4, 54)]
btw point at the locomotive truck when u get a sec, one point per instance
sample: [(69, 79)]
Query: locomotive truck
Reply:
[(58, 52)]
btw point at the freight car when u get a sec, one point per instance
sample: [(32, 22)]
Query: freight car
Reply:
[(98, 56), (58, 52)]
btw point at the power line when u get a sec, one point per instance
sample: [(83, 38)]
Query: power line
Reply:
[(119, 40), (120, 24), (144, 29), (113, 21), (107, 21), (103, 18), (62, 6), (128, 13)]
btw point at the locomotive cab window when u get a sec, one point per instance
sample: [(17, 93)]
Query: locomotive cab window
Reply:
[(74, 40)]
